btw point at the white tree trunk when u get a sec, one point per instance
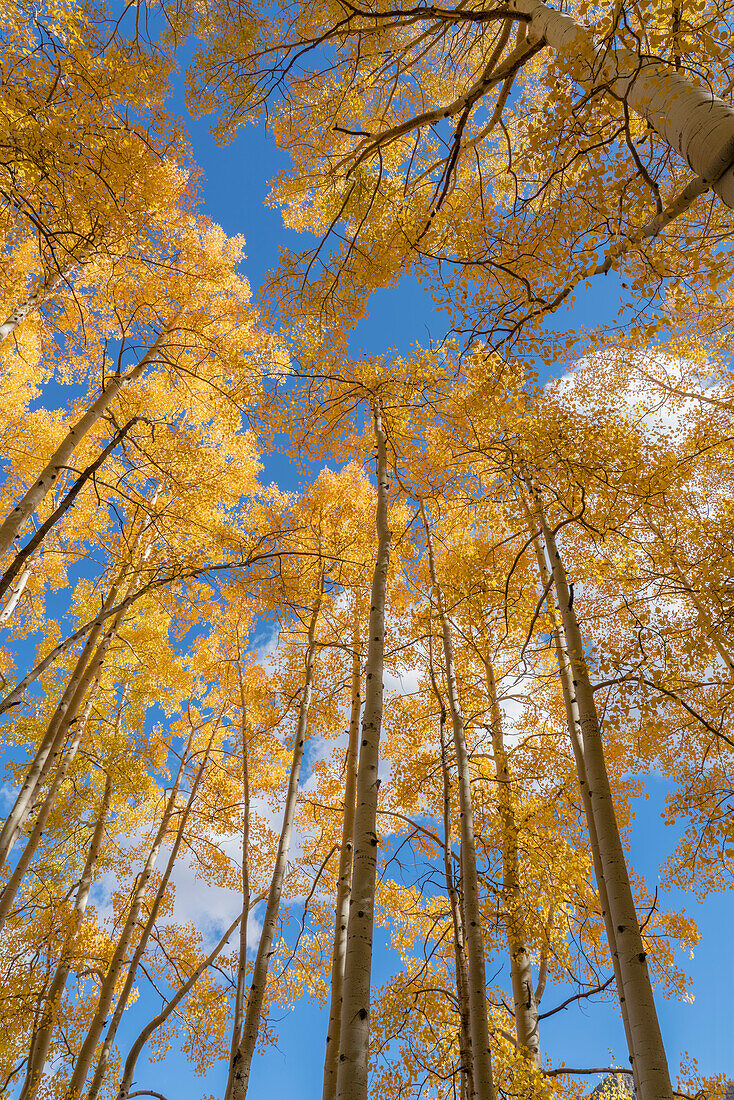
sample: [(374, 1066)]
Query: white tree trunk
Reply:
[(142, 943), (344, 880), (19, 586), (175, 1001), (472, 914), (107, 991), (521, 971), (41, 1041), (239, 1001), (698, 125), (30, 304), (352, 1083), (574, 733), (240, 1073), (7, 897), (651, 1066), (27, 505)]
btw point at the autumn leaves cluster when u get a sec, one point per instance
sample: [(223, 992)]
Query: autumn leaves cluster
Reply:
[(420, 693)]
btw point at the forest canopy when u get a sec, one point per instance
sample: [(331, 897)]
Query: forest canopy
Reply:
[(368, 717)]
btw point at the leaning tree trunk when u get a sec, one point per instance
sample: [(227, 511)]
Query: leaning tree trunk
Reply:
[(351, 1083), (572, 722), (18, 586), (472, 914), (59, 460), (31, 303), (145, 934), (240, 1073), (521, 971), (344, 879), (131, 1061), (694, 122), (8, 894), (651, 1063), (41, 1041), (109, 983)]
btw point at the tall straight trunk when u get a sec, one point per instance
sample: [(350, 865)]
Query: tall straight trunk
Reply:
[(651, 1066), (344, 880), (253, 1013), (128, 1072), (239, 1001), (26, 506), (351, 1080), (514, 904), (572, 722), (107, 990), (8, 894), (41, 1042), (695, 123), (462, 975), (145, 934), (479, 1019)]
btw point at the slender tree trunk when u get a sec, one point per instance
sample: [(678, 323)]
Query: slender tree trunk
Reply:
[(462, 974), (651, 1066), (53, 740), (142, 944), (107, 991), (43, 1033), (19, 585), (481, 1054), (253, 1012), (354, 1039), (523, 990), (31, 303), (27, 505), (695, 123), (132, 1058), (344, 880), (239, 1002), (34, 544), (572, 721), (7, 897)]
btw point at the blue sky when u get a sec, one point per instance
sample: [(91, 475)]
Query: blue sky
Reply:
[(234, 188)]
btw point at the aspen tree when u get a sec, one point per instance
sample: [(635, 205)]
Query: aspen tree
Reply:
[(242, 1060), (355, 1009), (523, 986), (43, 1033), (651, 1067), (109, 983), (343, 890), (477, 997)]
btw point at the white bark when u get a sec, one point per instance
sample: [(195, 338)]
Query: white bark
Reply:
[(344, 880), (697, 124), (19, 586), (478, 1016), (181, 992), (239, 1000), (240, 1074), (7, 897), (27, 505), (30, 304), (145, 934), (44, 1032), (521, 971), (651, 1067), (107, 991), (351, 1082)]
